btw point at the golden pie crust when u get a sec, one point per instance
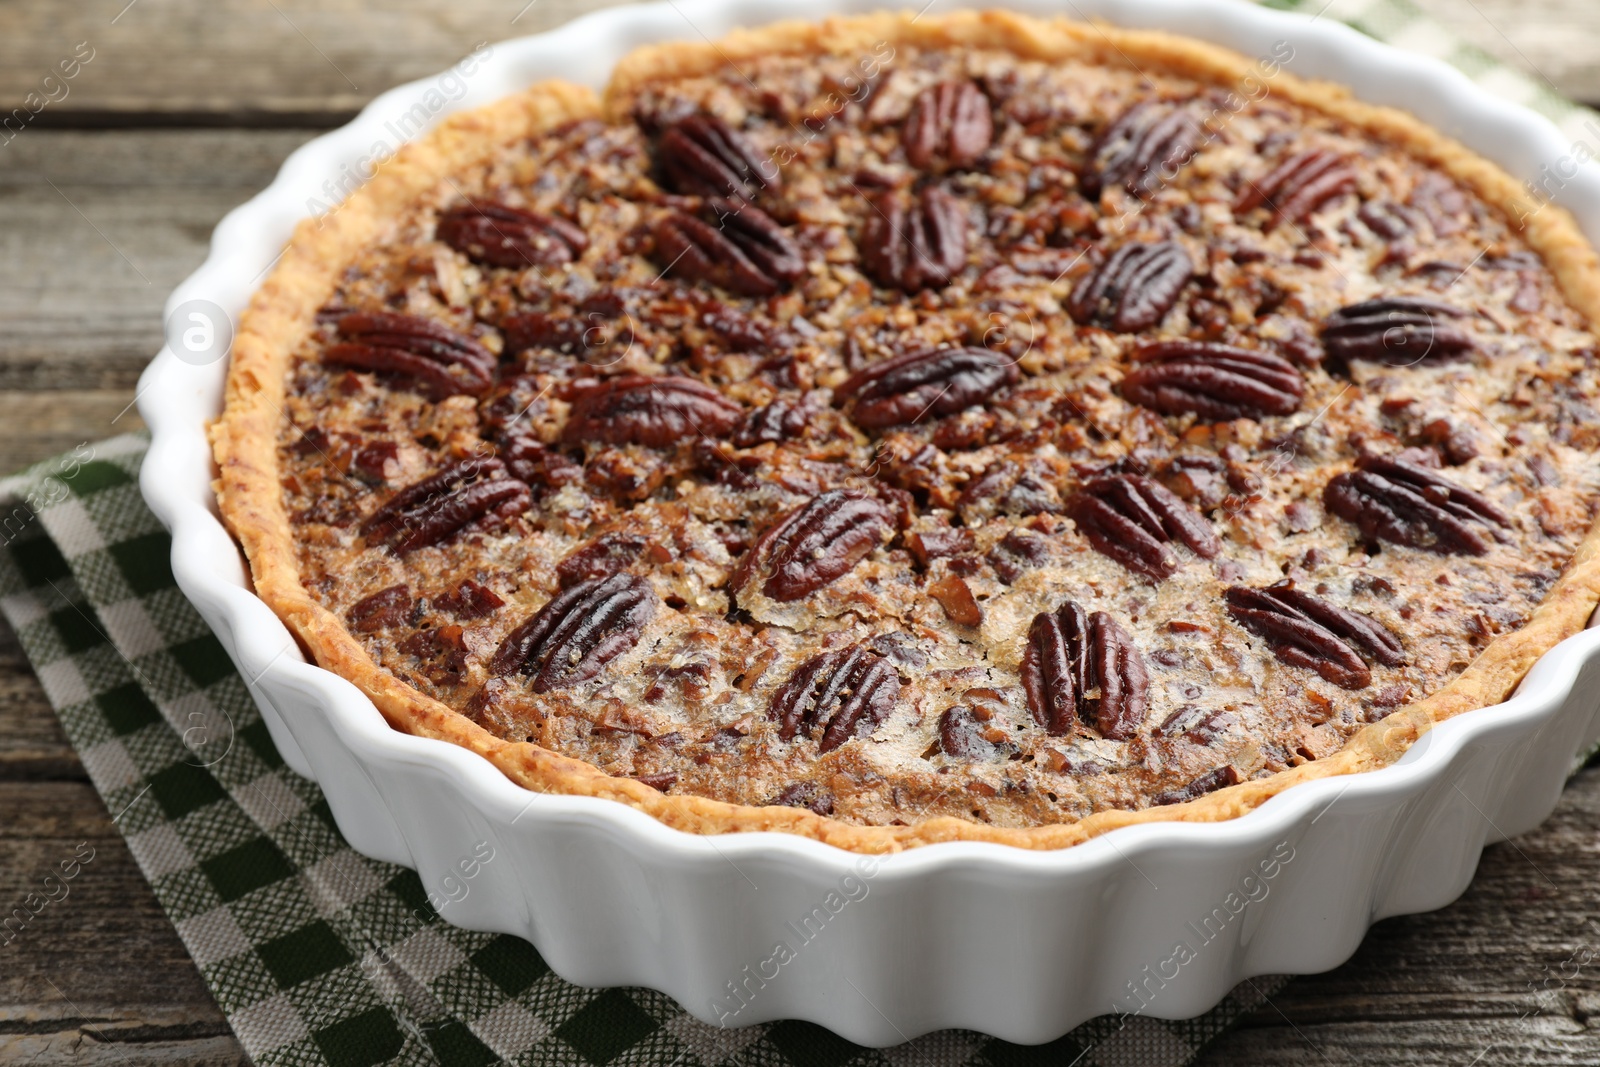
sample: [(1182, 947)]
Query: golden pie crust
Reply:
[(283, 311)]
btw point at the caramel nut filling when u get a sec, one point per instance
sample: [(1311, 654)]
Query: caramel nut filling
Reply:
[(1002, 440)]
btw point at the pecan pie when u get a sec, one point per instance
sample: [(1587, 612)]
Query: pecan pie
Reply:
[(901, 430)]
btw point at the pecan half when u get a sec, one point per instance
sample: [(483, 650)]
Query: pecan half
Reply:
[(468, 495), (816, 544), (746, 252), (703, 156), (955, 597), (914, 246), (650, 410), (593, 338), (924, 385), (949, 127), (1079, 667), (1143, 149), (446, 362), (1394, 500), (1131, 519), (1304, 631), (1209, 782), (1019, 485), (845, 694), (1294, 189), (1017, 553), (1133, 289), (1399, 331), (940, 544), (808, 795), (600, 558), (541, 468), (572, 638), (1388, 220), (1215, 381), (781, 420), (469, 601), (498, 235), (387, 607), (965, 734)]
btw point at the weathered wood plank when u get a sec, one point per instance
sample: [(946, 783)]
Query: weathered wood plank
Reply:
[(1555, 41), (133, 1041), (40, 425), (32, 746), (1509, 974), (249, 60), (98, 976), (241, 61), (95, 230)]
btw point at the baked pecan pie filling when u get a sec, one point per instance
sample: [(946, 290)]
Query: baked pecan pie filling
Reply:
[(945, 434)]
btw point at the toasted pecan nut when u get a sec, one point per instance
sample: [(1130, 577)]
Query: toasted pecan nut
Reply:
[(745, 251), (845, 694), (966, 734), (1080, 668), (1398, 331), (1391, 499), (1388, 220), (498, 235), (1132, 519), (1209, 782), (1133, 288), (955, 597), (1143, 149), (924, 385), (446, 362), (572, 638), (592, 337), (917, 244), (657, 411), (469, 601), (948, 128), (703, 156), (1304, 631), (1215, 381), (782, 420), (816, 544), (940, 544), (808, 795), (1011, 485), (540, 467), (1017, 553), (600, 558), (1294, 189), (387, 607), (470, 494)]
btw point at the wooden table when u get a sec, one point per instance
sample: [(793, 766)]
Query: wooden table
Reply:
[(107, 199)]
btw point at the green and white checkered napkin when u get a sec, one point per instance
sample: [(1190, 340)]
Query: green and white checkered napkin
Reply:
[(318, 955)]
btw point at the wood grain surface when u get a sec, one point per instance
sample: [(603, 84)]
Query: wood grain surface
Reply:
[(107, 199)]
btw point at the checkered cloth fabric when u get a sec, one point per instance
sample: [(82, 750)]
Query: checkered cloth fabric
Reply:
[(318, 955)]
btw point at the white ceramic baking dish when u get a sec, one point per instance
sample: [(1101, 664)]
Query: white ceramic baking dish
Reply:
[(1018, 944)]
